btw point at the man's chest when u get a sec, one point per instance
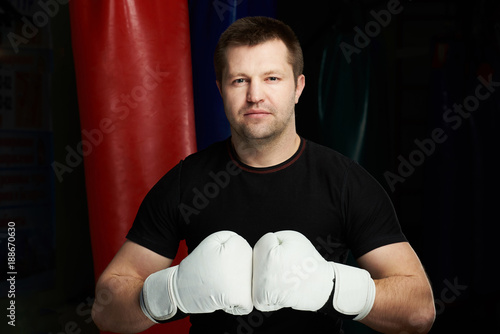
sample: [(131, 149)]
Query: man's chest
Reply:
[(252, 206)]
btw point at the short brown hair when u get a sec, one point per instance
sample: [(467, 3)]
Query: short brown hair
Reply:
[(253, 31)]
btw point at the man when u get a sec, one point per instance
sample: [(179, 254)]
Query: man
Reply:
[(268, 218)]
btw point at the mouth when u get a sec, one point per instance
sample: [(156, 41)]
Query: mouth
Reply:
[(256, 113)]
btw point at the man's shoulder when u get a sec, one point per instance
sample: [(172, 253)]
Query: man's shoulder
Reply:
[(205, 159), (332, 160), (327, 155), (214, 150), (208, 157)]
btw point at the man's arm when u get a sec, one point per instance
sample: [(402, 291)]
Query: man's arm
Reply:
[(403, 300), (121, 283)]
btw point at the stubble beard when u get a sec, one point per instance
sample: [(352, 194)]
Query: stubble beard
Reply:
[(252, 132)]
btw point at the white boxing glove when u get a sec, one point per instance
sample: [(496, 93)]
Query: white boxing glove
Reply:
[(217, 275), (288, 271)]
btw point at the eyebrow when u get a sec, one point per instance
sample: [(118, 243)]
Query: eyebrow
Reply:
[(274, 72), (241, 74)]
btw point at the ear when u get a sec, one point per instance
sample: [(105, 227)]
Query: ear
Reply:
[(217, 82), (301, 82)]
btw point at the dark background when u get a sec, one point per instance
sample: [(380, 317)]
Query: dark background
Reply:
[(446, 206)]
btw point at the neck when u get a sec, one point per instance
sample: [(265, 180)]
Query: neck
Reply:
[(262, 153)]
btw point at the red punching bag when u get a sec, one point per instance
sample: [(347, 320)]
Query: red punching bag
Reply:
[(133, 71)]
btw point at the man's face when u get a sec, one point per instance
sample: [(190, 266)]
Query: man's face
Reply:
[(259, 91)]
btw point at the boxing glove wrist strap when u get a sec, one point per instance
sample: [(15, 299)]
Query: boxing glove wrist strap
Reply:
[(156, 299), (353, 293)]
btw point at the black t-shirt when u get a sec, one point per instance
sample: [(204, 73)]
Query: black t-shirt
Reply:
[(318, 192)]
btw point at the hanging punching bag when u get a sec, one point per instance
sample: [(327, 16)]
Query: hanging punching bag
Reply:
[(351, 110), (133, 70)]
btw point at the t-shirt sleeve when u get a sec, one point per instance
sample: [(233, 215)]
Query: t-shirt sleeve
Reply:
[(156, 224), (371, 220)]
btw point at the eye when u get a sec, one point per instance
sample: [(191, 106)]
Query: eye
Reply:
[(273, 79), (239, 81)]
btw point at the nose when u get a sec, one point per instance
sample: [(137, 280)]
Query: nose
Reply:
[(255, 93)]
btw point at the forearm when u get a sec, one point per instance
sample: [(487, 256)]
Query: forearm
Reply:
[(402, 303), (117, 308)]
